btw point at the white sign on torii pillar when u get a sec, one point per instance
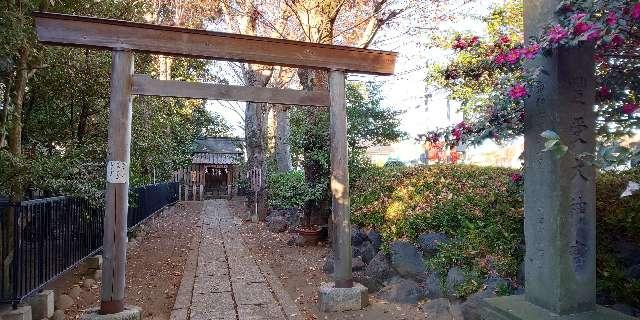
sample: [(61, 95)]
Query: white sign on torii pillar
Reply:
[(123, 38)]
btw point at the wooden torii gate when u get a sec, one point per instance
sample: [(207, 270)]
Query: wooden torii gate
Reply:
[(123, 38)]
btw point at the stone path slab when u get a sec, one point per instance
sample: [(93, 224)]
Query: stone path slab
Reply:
[(222, 280)]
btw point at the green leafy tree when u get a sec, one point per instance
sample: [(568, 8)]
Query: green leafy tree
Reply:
[(369, 123)]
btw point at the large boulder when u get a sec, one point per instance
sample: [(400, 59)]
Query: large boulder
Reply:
[(406, 259), (432, 286), (358, 236), (277, 223), (379, 269), (357, 264), (401, 290), (292, 215), (367, 251), (376, 239), (455, 277), (429, 242)]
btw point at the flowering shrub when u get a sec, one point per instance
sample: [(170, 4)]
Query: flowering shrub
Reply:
[(493, 71), (481, 209)]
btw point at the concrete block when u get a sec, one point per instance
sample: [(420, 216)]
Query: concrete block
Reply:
[(42, 305), (21, 313), (94, 262), (129, 313), (517, 308), (332, 299)]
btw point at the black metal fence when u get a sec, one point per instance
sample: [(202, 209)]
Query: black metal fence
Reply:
[(41, 239)]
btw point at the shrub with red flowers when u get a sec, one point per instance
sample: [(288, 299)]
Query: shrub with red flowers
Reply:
[(492, 80)]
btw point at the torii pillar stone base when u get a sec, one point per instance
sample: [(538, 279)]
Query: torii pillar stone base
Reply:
[(333, 299), (129, 313)]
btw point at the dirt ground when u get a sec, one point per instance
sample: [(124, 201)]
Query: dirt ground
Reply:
[(155, 262), (300, 269)]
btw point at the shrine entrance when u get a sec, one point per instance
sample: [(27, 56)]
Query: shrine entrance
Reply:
[(123, 38), (216, 182)]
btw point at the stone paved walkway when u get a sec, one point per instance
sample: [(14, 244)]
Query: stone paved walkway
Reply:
[(223, 281)]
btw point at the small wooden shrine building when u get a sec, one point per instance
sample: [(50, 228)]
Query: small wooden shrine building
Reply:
[(214, 169)]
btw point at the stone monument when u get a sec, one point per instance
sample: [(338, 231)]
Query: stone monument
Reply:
[(559, 197)]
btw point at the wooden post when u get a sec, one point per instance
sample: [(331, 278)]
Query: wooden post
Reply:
[(117, 192), (340, 181)]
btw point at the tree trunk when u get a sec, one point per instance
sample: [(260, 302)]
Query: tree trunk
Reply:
[(15, 131), (4, 113), (15, 148), (255, 144), (282, 145), (82, 121)]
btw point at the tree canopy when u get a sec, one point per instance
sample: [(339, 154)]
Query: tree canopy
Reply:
[(63, 112)]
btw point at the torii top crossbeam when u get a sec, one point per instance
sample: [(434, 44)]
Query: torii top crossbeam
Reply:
[(68, 30)]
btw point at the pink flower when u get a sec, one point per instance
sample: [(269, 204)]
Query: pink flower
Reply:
[(459, 129), (630, 107), (516, 177), (531, 51), (612, 19), (594, 34), (557, 33), (460, 44), (513, 56), (473, 41), (578, 16), (501, 58), (518, 91), (635, 11), (457, 133), (617, 41), (604, 92), (581, 28)]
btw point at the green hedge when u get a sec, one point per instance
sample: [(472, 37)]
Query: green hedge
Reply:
[(481, 209), (290, 190)]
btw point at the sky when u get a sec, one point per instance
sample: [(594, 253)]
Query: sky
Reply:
[(425, 108)]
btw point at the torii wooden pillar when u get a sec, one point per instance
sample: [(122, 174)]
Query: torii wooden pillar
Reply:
[(122, 38)]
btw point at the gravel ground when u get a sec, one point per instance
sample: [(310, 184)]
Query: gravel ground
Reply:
[(300, 270), (155, 262)]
